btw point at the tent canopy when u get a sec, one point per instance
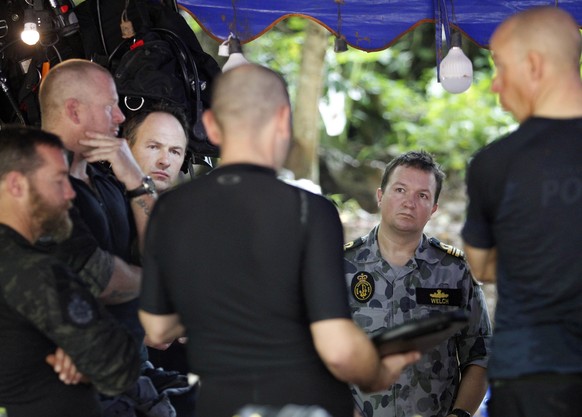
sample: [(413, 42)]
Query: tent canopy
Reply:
[(368, 25)]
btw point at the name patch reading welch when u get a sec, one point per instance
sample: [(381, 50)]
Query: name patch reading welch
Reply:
[(439, 296)]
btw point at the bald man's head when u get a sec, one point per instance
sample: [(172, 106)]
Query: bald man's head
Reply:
[(69, 79), (550, 31), (78, 96), (246, 97)]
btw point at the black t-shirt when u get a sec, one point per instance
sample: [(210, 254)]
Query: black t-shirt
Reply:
[(525, 199), (106, 212), (229, 253), (108, 216)]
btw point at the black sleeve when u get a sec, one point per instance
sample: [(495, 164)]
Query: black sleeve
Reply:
[(324, 288), (81, 252), (478, 228), (51, 298), (153, 296)]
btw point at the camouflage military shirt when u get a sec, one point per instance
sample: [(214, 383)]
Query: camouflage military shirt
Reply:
[(382, 296), (43, 305)]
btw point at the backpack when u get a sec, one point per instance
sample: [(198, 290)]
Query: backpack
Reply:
[(168, 64), (162, 62)]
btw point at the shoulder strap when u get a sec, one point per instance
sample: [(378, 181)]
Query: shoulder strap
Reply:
[(451, 250), (354, 243)]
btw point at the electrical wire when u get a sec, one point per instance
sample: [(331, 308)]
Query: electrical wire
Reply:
[(6, 90), (100, 25)]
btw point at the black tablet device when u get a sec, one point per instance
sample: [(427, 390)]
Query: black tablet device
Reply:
[(419, 334)]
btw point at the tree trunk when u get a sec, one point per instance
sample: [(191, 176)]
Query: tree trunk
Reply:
[(303, 158)]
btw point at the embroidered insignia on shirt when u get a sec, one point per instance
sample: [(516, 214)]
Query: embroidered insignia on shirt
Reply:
[(79, 308), (451, 250), (439, 296), (362, 286)]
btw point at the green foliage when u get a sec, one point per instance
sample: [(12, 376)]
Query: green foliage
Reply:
[(392, 100), (343, 205), (452, 127), (393, 111), (280, 49)]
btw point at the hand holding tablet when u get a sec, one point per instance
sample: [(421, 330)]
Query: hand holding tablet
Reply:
[(419, 334)]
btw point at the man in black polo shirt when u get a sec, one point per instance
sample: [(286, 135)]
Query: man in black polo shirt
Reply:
[(524, 218), (79, 102)]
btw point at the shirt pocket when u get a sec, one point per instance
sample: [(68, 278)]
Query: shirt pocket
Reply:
[(370, 319)]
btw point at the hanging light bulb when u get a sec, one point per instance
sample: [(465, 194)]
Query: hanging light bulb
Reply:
[(29, 34), (456, 70), (233, 50)]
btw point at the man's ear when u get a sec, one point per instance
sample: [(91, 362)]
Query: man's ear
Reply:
[(212, 128), (284, 122), (72, 110), (379, 195), (16, 184), (535, 65)]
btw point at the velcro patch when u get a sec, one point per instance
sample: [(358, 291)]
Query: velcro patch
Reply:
[(78, 308), (362, 286), (439, 296)]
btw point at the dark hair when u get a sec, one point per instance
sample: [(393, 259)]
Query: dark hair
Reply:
[(134, 120), (416, 159), (18, 148)]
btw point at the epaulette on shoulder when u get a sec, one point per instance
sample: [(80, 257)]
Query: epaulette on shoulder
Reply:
[(451, 250), (354, 243)]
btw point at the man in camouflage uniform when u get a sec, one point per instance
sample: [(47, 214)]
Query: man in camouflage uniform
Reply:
[(48, 317), (395, 274)]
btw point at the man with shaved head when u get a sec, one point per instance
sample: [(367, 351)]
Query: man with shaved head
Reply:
[(524, 218), (79, 102), (255, 283)]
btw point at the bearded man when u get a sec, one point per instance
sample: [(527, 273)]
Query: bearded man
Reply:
[(49, 320)]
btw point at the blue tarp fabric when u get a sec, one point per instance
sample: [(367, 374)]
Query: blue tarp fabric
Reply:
[(368, 25)]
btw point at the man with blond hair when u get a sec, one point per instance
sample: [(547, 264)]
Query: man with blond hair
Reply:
[(79, 102)]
